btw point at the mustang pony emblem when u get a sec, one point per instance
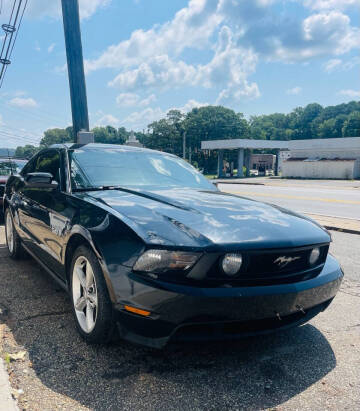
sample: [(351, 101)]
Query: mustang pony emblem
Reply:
[(284, 261)]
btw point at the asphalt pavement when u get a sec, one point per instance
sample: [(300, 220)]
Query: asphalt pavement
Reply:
[(314, 367), (336, 198)]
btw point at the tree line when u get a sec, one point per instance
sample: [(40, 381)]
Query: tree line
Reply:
[(217, 123)]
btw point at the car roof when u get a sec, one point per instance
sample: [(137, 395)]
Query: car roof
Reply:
[(73, 146)]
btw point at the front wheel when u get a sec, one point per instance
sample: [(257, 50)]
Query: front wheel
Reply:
[(12, 238), (91, 303)]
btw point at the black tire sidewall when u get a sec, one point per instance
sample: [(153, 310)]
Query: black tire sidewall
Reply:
[(104, 324)]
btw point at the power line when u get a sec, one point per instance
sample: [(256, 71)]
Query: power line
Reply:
[(9, 30), (19, 130), (23, 137), (19, 140), (33, 115)]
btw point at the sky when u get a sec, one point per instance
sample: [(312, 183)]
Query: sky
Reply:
[(144, 57)]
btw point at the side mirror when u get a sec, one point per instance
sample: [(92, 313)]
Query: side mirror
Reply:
[(40, 180)]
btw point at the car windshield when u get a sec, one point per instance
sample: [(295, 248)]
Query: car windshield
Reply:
[(11, 166), (99, 167)]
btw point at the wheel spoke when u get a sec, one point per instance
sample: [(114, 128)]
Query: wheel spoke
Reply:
[(93, 299), (89, 276), (89, 316), (81, 276), (80, 304)]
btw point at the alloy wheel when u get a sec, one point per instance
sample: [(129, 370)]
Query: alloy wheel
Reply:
[(84, 293), (9, 232)]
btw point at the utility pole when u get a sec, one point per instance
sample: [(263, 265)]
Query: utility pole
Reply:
[(75, 63)]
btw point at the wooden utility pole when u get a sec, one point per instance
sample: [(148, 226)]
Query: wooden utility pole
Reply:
[(75, 63)]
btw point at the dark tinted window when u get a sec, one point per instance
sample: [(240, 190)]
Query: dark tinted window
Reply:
[(48, 162), (96, 167)]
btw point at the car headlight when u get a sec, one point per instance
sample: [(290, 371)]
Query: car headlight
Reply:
[(163, 260), (314, 256), (231, 264)]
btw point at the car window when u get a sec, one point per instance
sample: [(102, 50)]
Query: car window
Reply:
[(29, 167), (96, 167), (48, 162)]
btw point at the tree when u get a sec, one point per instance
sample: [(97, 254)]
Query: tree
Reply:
[(26, 151), (57, 136), (351, 126)]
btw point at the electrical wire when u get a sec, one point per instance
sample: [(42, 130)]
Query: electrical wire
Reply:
[(22, 139), (11, 44)]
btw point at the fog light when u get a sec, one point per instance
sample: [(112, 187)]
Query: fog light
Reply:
[(314, 256), (231, 264)]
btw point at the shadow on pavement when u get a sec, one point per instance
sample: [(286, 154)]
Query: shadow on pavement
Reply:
[(252, 373)]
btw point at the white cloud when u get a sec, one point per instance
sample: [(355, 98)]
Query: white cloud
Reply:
[(289, 38), (228, 69), (1, 121), (127, 99), (148, 100), (341, 65), (23, 102), (108, 120), (332, 65), (350, 93), (294, 91), (141, 119), (191, 27), (190, 105), (37, 46), (52, 8), (330, 4), (51, 47), (133, 99), (247, 32)]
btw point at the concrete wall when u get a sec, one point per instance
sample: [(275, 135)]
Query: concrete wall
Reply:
[(321, 169)]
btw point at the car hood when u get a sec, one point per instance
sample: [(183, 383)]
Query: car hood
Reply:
[(192, 218)]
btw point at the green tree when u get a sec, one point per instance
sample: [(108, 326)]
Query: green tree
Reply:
[(351, 126), (57, 136), (26, 151)]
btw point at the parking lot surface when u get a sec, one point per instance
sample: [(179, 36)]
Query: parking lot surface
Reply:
[(314, 367)]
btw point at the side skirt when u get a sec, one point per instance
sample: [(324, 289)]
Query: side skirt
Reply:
[(60, 282)]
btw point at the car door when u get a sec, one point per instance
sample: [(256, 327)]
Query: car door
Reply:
[(43, 212)]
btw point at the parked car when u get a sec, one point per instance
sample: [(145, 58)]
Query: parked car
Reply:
[(8, 166), (143, 241)]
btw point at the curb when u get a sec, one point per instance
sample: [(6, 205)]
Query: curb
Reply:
[(342, 230), (7, 403)]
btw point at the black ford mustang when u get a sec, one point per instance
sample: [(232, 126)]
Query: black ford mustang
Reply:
[(143, 241)]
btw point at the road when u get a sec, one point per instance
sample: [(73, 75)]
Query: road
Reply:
[(314, 367), (336, 199)]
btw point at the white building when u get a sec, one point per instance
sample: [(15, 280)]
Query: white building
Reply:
[(323, 158)]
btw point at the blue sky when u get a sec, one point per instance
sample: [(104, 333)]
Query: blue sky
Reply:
[(144, 57)]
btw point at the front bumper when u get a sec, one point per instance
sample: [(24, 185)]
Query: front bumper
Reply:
[(180, 312)]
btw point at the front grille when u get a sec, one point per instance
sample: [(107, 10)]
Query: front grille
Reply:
[(2, 190), (267, 267), (233, 329)]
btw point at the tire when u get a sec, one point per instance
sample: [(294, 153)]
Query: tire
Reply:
[(90, 299), (13, 241)]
